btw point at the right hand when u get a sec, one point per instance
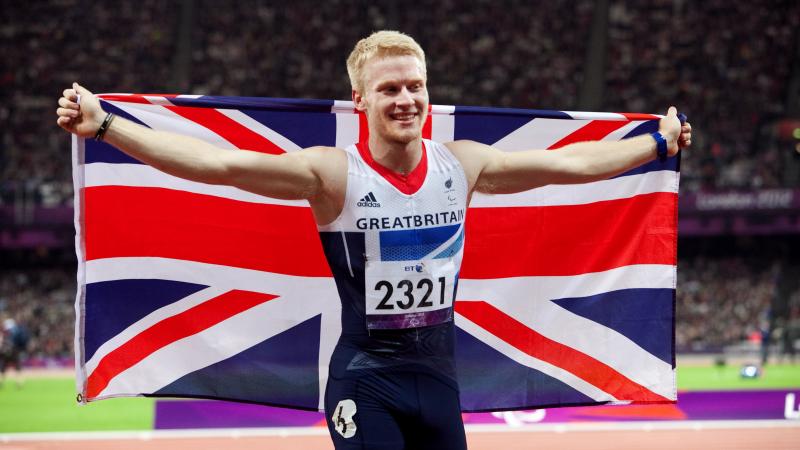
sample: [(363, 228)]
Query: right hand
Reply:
[(82, 119), (670, 127)]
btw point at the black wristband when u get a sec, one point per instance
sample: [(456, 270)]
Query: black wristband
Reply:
[(104, 127), (661, 146)]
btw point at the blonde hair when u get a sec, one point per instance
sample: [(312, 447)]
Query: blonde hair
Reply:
[(378, 44)]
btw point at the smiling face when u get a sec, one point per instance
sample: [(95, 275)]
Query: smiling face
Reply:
[(395, 98)]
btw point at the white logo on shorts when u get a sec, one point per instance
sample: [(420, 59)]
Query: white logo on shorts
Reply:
[(343, 418)]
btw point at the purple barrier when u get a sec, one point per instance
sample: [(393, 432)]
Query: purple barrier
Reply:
[(738, 225), (716, 405), (739, 201), (39, 215), (34, 238)]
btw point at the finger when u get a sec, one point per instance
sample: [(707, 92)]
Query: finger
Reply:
[(672, 111), (64, 103), (80, 89), (70, 94), (64, 122), (67, 112)]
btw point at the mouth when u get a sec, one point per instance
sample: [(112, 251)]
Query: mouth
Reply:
[(404, 118)]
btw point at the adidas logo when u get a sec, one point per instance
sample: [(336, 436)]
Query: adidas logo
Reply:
[(369, 201)]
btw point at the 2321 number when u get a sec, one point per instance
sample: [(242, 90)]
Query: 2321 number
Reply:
[(408, 290)]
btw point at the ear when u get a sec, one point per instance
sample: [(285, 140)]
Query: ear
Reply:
[(358, 101)]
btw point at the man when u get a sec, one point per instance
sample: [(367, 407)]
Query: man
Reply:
[(390, 213), (13, 345)]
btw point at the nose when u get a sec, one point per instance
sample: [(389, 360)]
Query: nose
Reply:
[(405, 98)]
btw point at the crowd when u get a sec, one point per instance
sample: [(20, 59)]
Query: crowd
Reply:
[(507, 53), (41, 301), (722, 301), (727, 65), (116, 47)]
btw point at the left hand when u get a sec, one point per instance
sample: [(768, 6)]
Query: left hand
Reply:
[(678, 136)]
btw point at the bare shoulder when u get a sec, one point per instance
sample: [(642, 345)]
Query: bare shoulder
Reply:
[(324, 153), (465, 145), (329, 164), (470, 150), (323, 159)]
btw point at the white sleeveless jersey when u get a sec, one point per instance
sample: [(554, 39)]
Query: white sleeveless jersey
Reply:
[(413, 241)]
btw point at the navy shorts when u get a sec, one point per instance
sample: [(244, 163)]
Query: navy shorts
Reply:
[(396, 411)]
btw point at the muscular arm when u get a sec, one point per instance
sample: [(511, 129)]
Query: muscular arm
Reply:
[(496, 172), (287, 176)]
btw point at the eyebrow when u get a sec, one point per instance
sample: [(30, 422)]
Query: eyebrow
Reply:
[(387, 83)]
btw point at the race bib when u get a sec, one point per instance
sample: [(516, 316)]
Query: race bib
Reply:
[(408, 294)]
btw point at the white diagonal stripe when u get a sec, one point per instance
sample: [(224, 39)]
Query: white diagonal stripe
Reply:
[(160, 118), (538, 134), (260, 129), (581, 194), (221, 279), (319, 296), (622, 131), (142, 175), (528, 300), (527, 360), (149, 320), (219, 342)]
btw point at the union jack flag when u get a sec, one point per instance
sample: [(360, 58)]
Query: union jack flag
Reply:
[(566, 295)]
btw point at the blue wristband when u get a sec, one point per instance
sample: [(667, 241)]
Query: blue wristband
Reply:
[(661, 146)]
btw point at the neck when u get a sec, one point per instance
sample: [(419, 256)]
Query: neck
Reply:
[(396, 156)]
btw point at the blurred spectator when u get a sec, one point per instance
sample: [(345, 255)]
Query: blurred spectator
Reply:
[(41, 302), (14, 340)]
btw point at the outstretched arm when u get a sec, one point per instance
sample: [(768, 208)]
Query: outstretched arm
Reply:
[(496, 172), (286, 176)]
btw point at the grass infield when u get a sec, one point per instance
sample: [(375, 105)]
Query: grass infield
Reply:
[(48, 403), (728, 378)]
